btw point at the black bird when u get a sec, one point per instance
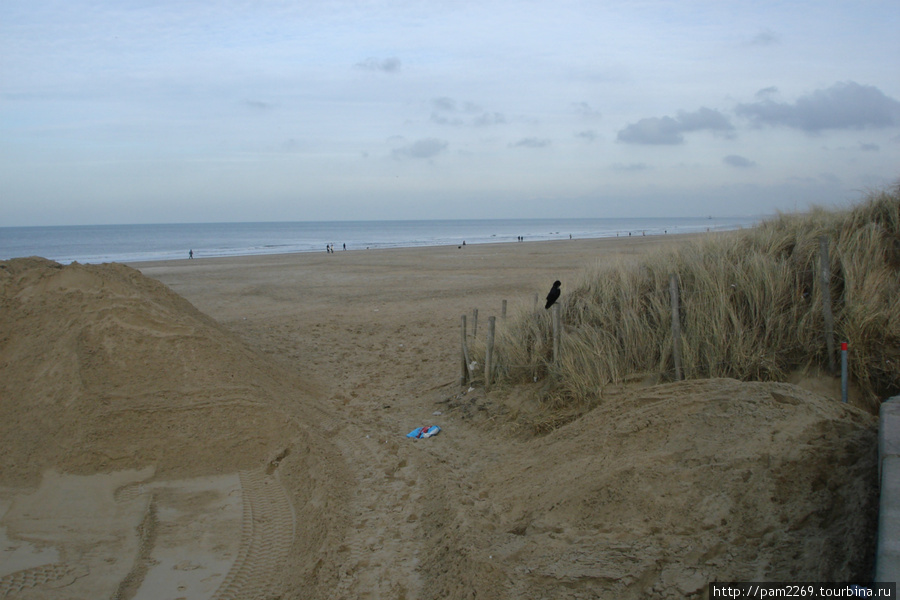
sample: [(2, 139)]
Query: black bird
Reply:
[(553, 296)]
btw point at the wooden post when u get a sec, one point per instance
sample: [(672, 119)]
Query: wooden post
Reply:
[(474, 323), (676, 325), (464, 362), (554, 315), (826, 302), (489, 354), (844, 372), (535, 300), (503, 311)]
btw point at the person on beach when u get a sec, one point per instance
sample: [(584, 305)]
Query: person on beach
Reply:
[(191, 253), (553, 296)]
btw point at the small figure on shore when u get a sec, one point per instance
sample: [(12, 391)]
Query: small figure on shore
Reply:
[(345, 246), (191, 253), (553, 296)]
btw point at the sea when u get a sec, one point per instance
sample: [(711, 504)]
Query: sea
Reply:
[(94, 244)]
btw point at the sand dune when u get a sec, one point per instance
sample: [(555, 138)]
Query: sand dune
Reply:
[(235, 428)]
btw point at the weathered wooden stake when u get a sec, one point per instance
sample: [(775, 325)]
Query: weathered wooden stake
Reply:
[(503, 311), (826, 302), (844, 372), (464, 353), (489, 354), (676, 325), (474, 323), (554, 315)]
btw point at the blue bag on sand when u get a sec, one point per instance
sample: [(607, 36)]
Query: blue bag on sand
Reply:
[(424, 432)]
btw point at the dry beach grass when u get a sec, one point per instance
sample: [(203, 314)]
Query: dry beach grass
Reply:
[(751, 308)]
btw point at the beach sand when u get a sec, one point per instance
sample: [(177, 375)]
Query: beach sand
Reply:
[(236, 428)]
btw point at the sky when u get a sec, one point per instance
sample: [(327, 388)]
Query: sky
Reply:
[(146, 111)]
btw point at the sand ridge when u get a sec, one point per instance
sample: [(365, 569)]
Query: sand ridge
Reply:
[(298, 377)]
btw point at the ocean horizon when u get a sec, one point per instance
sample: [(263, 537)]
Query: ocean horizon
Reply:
[(94, 244)]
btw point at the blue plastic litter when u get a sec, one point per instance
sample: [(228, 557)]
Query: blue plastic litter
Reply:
[(424, 432)]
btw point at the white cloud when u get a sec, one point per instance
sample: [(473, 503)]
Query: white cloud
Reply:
[(765, 38), (848, 105), (668, 130), (385, 65), (531, 142), (633, 167), (738, 161), (424, 148)]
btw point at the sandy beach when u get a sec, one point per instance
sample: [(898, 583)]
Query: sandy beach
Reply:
[(236, 428)]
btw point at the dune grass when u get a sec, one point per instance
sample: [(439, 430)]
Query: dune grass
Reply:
[(751, 308)]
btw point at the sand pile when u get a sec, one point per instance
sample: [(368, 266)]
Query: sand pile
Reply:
[(102, 368), (136, 423), (657, 494)]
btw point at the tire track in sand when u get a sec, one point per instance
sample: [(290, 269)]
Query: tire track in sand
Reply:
[(266, 536)]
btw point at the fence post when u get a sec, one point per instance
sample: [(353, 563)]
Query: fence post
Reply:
[(676, 325), (464, 358), (503, 311), (489, 354), (826, 301), (554, 314), (844, 372), (474, 323)]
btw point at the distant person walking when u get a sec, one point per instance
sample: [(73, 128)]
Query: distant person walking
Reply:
[(553, 296), (191, 253)]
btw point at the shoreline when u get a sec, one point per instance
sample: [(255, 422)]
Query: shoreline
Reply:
[(575, 244), (153, 243)]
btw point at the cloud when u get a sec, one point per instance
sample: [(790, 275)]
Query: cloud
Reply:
[(704, 118), (738, 161), (258, 105), (588, 135), (424, 148), (386, 65), (531, 142), (765, 38), (666, 130), (869, 147), (442, 120), (585, 110), (633, 167), (842, 106), (766, 92), (445, 104), (486, 119), (446, 111), (653, 130)]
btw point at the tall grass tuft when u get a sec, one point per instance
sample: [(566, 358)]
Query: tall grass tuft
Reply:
[(751, 309)]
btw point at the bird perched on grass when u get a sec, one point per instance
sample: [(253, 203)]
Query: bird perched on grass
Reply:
[(553, 296)]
